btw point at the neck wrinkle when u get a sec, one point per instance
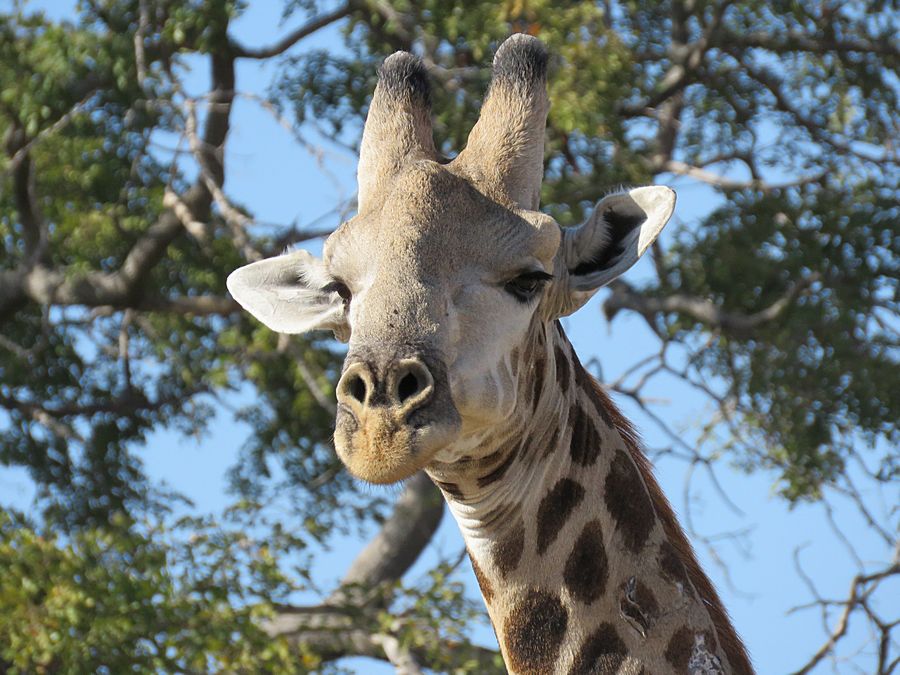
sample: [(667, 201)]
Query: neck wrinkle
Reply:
[(539, 456)]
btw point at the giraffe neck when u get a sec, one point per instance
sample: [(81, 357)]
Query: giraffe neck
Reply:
[(580, 561)]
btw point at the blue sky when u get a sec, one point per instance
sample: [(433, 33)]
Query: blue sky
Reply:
[(280, 182)]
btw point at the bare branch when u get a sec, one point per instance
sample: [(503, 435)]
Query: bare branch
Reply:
[(623, 296), (237, 221), (15, 348), (140, 56), (347, 623), (59, 124), (197, 229), (124, 352), (856, 598), (34, 230), (717, 180), (822, 43), (401, 658), (201, 305), (285, 345), (334, 632), (293, 38), (124, 405)]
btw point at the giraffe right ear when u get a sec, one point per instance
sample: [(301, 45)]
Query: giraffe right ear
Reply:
[(614, 237), (291, 293)]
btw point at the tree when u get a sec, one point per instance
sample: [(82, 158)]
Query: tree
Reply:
[(779, 303)]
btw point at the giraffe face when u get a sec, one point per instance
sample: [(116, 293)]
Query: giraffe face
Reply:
[(436, 291), (440, 285), (438, 280)]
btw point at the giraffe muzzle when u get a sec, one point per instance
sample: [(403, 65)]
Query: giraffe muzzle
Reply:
[(394, 414)]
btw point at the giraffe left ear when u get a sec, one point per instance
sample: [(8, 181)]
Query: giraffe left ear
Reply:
[(615, 236)]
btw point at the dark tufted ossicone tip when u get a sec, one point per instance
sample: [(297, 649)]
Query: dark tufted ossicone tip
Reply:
[(404, 74)]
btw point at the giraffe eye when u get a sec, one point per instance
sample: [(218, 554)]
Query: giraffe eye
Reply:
[(526, 286), (341, 289)]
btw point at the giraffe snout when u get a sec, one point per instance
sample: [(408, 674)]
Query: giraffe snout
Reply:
[(403, 387), (395, 412)]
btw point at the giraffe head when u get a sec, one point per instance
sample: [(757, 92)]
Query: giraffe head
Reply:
[(447, 270)]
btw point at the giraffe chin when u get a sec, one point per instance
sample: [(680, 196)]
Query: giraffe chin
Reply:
[(379, 449)]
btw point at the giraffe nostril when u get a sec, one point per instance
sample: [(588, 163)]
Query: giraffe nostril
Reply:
[(411, 385), (408, 386), (357, 388)]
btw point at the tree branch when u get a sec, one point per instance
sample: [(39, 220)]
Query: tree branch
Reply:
[(346, 623), (123, 406), (817, 130), (401, 658), (21, 168), (797, 42), (293, 38), (213, 180), (623, 296), (124, 287), (399, 543), (331, 633), (710, 178), (685, 57), (856, 598), (286, 345), (200, 305)]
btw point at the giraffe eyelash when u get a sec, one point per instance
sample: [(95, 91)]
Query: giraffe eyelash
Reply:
[(341, 289), (525, 287)]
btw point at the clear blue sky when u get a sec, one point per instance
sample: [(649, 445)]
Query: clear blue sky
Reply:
[(280, 182)]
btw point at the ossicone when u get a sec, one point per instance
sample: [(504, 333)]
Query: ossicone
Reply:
[(398, 125), (505, 151)]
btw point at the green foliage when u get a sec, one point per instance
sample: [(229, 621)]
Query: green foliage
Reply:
[(136, 598), (99, 187), (821, 380)]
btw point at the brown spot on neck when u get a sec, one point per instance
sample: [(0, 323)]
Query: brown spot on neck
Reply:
[(678, 651), (514, 358), (672, 568), (533, 632), (602, 652), (451, 489), (587, 567), (540, 365), (585, 444), (499, 470), (555, 509), (507, 551), (628, 502), (563, 374)]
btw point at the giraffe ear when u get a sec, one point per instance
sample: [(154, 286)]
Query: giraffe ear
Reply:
[(615, 236), (291, 293)]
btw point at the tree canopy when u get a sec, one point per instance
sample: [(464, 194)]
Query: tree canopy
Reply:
[(779, 302)]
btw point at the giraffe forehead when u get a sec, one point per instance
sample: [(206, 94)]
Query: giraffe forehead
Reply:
[(434, 219)]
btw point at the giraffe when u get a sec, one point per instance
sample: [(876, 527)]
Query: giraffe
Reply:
[(449, 284)]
